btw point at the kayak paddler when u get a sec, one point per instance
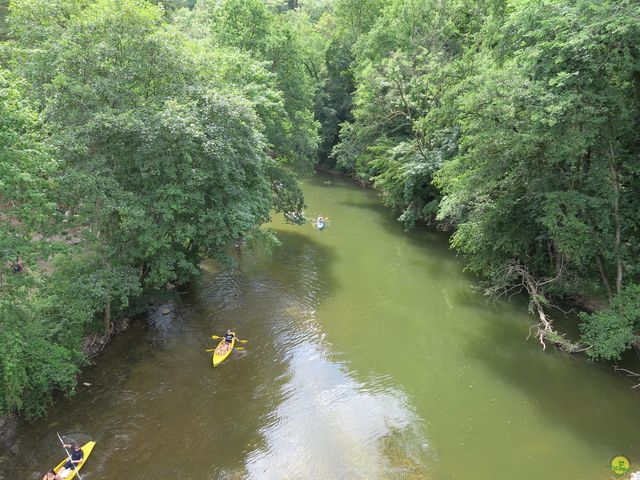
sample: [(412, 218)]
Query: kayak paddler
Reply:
[(51, 475), (228, 338), (77, 455)]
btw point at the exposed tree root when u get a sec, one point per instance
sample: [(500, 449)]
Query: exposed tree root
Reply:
[(515, 278), (94, 344), (628, 373)]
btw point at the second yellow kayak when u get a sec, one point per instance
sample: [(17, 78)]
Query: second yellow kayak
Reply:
[(220, 356)]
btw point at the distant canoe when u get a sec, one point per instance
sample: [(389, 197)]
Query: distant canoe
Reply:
[(320, 224)]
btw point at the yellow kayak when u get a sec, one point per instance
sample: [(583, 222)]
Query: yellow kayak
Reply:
[(86, 449), (220, 356)]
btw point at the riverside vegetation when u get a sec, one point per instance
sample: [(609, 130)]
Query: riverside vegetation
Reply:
[(162, 132)]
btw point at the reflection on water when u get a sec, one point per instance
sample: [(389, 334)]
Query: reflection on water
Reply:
[(224, 292), (330, 426), (320, 423)]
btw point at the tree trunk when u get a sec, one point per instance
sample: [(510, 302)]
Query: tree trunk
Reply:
[(550, 254), (604, 276), (615, 177), (544, 326), (107, 317), (144, 269)]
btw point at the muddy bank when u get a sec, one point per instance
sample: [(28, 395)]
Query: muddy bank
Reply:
[(93, 345)]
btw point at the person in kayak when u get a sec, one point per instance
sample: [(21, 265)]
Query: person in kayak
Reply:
[(51, 475), (320, 221), (77, 455), (228, 338)]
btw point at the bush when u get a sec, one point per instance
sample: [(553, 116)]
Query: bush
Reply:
[(612, 331)]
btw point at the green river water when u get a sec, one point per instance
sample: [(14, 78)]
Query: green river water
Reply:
[(370, 356)]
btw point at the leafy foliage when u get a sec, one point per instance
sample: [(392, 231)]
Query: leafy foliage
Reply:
[(276, 39), (148, 145), (612, 331)]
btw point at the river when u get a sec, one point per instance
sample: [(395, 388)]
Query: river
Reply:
[(370, 356)]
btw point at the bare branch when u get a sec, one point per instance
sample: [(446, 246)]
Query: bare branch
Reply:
[(515, 277), (629, 374)]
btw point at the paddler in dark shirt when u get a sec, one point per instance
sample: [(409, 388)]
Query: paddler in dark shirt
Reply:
[(77, 455), (228, 338)]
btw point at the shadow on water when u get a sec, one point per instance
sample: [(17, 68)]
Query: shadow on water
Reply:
[(549, 379), (424, 238), (299, 262)]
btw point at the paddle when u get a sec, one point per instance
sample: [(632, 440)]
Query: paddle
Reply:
[(216, 337), (69, 456), (214, 349)]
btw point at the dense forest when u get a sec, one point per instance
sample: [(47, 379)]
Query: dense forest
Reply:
[(141, 137)]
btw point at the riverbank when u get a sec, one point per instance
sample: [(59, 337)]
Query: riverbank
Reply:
[(94, 345)]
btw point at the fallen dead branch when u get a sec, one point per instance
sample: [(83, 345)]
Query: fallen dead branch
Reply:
[(628, 373), (515, 278)]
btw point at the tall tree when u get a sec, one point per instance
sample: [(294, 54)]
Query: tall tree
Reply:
[(157, 165), (252, 27), (549, 141)]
